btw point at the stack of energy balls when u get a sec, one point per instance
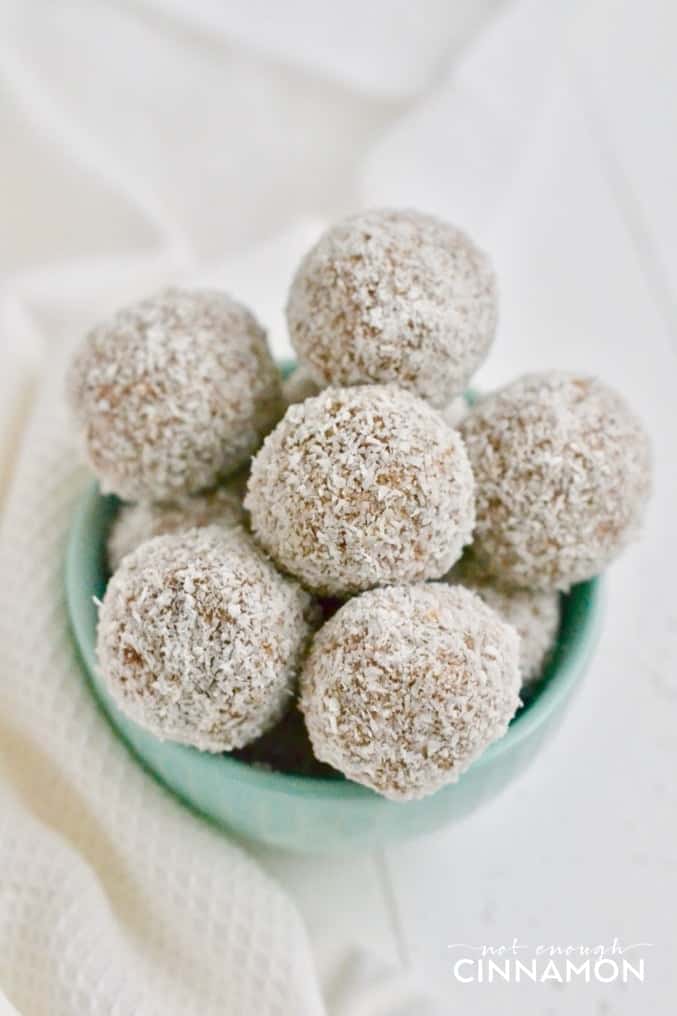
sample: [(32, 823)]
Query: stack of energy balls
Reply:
[(384, 573)]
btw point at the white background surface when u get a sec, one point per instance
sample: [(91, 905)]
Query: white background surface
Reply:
[(549, 131)]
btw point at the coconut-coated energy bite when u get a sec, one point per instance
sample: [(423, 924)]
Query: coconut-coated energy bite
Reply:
[(404, 687), (360, 487), (394, 296), (533, 613), (562, 468), (136, 523), (172, 394), (200, 639)]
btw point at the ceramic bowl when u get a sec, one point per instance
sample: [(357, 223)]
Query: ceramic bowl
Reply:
[(313, 814)]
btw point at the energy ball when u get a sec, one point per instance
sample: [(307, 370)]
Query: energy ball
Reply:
[(533, 613), (173, 394), (136, 523), (394, 296), (360, 487), (562, 468), (200, 639), (404, 687)]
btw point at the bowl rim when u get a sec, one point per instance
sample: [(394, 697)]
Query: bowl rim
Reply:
[(80, 604)]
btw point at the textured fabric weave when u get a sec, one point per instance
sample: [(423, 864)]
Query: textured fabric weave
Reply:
[(113, 897)]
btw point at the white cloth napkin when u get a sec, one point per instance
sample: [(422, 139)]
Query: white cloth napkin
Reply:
[(113, 898), (147, 143)]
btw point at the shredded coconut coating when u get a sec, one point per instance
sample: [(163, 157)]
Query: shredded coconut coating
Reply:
[(394, 296), (200, 639), (533, 613), (136, 523), (405, 686), (360, 487), (173, 394), (562, 468)]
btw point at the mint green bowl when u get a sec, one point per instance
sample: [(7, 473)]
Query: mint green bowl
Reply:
[(310, 814)]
